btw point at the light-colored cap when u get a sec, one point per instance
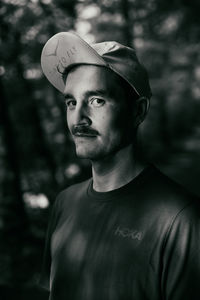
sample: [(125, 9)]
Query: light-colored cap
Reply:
[(65, 50)]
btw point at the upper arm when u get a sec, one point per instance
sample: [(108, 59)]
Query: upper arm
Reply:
[(44, 280), (181, 256)]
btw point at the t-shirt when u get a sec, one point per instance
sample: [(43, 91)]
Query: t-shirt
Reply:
[(141, 241)]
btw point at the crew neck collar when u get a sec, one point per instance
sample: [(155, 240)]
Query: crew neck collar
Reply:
[(106, 196)]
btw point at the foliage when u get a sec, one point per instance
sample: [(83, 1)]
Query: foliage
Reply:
[(36, 154)]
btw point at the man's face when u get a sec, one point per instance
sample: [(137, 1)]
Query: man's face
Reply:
[(98, 116)]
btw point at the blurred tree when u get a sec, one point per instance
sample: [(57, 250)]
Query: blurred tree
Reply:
[(32, 127), (13, 221), (37, 158)]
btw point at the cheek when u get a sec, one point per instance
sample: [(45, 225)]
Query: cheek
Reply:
[(69, 121), (110, 121), (118, 121), (68, 124), (111, 124)]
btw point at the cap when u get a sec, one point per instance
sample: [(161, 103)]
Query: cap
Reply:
[(65, 50)]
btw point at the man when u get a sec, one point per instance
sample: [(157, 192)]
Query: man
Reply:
[(129, 232)]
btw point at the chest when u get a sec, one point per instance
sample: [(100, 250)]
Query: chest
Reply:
[(101, 253)]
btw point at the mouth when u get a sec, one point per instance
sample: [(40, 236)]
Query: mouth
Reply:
[(85, 135), (84, 131)]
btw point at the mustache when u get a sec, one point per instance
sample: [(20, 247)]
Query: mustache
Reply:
[(83, 130)]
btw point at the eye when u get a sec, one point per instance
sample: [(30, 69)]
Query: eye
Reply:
[(70, 104), (97, 102)]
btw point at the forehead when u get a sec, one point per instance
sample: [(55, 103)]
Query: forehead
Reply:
[(91, 77)]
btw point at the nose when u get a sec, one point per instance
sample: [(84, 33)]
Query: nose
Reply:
[(81, 115)]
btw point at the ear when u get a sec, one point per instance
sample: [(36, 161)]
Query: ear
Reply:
[(141, 108)]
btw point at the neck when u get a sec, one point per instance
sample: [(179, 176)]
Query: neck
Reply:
[(115, 170)]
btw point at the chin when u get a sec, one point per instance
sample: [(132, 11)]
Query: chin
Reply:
[(89, 153), (97, 152)]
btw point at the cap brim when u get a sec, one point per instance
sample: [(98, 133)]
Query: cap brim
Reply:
[(61, 52)]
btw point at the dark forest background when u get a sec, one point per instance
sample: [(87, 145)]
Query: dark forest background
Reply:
[(37, 157)]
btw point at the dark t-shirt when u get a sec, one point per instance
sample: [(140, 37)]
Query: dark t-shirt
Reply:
[(141, 241)]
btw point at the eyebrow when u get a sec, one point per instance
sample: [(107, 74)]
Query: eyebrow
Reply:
[(88, 94)]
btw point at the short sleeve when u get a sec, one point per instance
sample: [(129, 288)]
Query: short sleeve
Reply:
[(44, 279), (181, 258)]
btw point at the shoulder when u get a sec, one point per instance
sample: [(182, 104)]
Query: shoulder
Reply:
[(68, 200), (173, 227), (163, 201), (72, 193), (167, 192), (75, 188)]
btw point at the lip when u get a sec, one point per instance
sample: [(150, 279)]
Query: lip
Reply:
[(85, 135)]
